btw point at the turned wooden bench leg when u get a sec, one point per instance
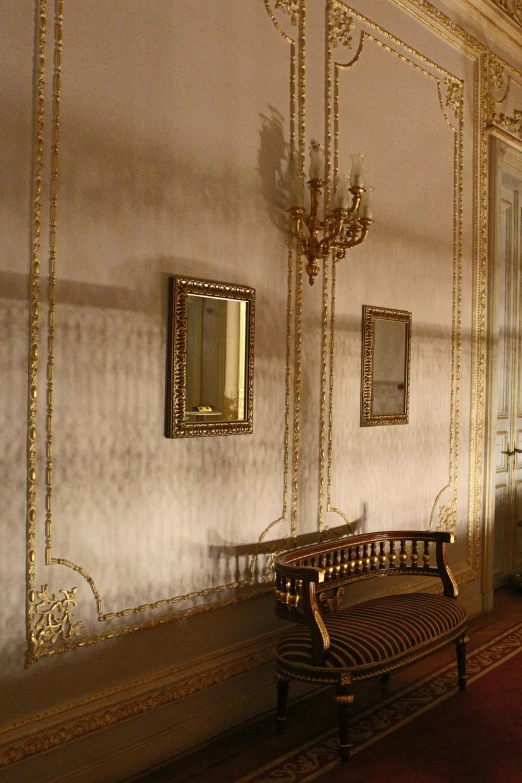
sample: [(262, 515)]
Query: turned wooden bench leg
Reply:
[(282, 698), (462, 643), (344, 699)]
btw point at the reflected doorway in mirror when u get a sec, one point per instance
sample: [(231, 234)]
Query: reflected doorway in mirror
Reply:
[(210, 358)]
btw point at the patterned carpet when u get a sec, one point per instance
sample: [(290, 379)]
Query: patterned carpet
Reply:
[(311, 760)]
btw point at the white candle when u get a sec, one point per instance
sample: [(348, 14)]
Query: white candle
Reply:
[(358, 170), (342, 192), (316, 160), (366, 208)]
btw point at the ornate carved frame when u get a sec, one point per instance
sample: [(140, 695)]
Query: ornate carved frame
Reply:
[(370, 314), (176, 425)]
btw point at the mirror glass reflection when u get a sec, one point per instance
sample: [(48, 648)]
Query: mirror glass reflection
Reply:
[(386, 350), (216, 359), (389, 367), (209, 386)]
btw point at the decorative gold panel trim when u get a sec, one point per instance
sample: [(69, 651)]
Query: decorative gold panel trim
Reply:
[(340, 25), (69, 640), (454, 100), (446, 29), (290, 7), (32, 396), (55, 618), (511, 8)]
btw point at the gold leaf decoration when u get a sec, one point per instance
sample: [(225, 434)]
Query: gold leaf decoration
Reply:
[(455, 94), (290, 7), (511, 124), (448, 517), (54, 617), (513, 8), (495, 73), (340, 25)]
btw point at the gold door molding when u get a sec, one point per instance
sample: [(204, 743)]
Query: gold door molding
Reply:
[(504, 93)]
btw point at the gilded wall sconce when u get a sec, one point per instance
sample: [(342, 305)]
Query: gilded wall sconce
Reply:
[(344, 226)]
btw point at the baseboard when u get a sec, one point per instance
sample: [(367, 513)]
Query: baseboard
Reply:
[(121, 734), (173, 710), (474, 604)]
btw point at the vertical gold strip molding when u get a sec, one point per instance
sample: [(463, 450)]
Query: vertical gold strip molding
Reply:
[(458, 199), (299, 273), (324, 323), (57, 76), (479, 290), (289, 302), (39, 97), (290, 292)]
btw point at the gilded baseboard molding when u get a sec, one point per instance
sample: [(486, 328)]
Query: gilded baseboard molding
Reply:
[(107, 708), (48, 730)]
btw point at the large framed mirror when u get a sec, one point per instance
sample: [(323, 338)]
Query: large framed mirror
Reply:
[(386, 352), (210, 359)]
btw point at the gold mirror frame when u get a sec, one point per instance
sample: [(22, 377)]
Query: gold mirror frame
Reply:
[(370, 315), (176, 425)]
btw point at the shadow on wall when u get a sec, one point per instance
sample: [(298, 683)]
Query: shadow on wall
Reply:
[(274, 157), (267, 551)]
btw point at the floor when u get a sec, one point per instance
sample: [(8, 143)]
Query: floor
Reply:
[(228, 757)]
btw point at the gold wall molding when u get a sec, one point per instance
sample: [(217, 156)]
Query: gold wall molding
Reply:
[(512, 9), (340, 25), (38, 145), (40, 643), (502, 80), (447, 30), (290, 7), (441, 24), (511, 124), (454, 89)]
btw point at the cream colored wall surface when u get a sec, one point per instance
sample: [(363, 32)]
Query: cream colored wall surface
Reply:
[(176, 124)]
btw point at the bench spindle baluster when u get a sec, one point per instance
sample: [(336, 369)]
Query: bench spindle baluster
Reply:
[(426, 555), (403, 556), (392, 557), (300, 596), (414, 554)]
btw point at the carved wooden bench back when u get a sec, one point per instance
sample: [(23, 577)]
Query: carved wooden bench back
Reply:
[(337, 563)]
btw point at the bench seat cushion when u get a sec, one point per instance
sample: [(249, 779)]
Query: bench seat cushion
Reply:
[(377, 632)]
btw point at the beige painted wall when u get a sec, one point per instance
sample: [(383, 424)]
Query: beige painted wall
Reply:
[(176, 121)]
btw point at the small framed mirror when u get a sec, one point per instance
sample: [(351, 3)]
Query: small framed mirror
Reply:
[(386, 351), (210, 359)]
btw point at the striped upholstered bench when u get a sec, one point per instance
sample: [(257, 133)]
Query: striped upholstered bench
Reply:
[(338, 645)]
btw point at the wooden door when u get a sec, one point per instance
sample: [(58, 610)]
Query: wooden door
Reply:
[(507, 363)]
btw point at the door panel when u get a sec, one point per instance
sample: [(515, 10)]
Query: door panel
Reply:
[(507, 363)]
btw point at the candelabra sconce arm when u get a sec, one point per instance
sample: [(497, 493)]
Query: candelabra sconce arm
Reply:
[(342, 226), (355, 233), (298, 225)]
